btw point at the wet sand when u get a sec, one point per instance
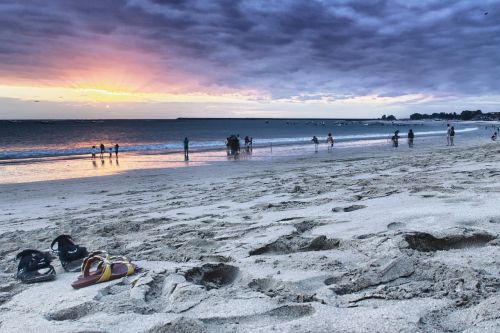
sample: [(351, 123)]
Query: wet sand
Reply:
[(396, 242)]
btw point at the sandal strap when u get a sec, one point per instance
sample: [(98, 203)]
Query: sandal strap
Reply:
[(33, 260), (103, 264), (66, 249), (100, 254)]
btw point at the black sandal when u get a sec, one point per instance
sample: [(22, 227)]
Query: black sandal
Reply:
[(30, 264), (70, 254)]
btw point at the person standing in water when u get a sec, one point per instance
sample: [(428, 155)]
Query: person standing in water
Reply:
[(316, 143), (452, 136), (411, 136), (186, 148), (102, 150), (395, 139), (116, 150), (329, 141), (448, 131), (93, 151)]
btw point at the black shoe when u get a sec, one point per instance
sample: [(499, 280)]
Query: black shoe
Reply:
[(70, 254), (34, 266)]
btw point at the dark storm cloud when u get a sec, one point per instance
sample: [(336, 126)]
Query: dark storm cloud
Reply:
[(285, 48)]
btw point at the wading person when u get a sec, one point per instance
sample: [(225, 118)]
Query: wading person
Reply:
[(448, 132), (102, 150), (329, 141), (452, 136), (395, 139), (411, 136), (316, 143), (186, 148)]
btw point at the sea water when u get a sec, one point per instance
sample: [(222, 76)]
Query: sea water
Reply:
[(43, 150), (22, 139)]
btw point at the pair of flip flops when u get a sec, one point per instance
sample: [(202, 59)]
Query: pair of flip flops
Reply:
[(34, 266), (100, 267), (96, 267)]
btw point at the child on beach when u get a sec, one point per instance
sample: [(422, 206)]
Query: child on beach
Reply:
[(102, 150), (93, 151), (452, 136), (494, 137), (110, 152)]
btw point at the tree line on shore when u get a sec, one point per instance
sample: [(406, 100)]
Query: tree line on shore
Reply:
[(464, 115)]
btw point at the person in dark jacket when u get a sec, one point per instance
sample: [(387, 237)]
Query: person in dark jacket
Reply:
[(411, 136)]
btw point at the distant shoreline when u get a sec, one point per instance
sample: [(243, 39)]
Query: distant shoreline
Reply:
[(270, 119)]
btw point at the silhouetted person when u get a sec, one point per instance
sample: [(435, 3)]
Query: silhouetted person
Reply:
[(110, 152), (395, 139), (316, 143), (186, 148), (102, 150), (494, 137), (411, 136), (448, 131), (116, 150), (452, 136)]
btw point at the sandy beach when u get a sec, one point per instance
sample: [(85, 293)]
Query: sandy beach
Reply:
[(392, 242)]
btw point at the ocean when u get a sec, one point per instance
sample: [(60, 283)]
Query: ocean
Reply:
[(37, 139), (33, 151)]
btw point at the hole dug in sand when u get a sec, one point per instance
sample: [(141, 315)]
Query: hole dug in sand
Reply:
[(213, 276), (294, 243), (424, 242)]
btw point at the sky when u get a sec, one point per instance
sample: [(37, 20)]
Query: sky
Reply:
[(247, 58)]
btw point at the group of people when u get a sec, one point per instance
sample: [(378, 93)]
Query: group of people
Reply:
[(450, 137), (329, 141), (102, 150), (395, 138), (233, 144)]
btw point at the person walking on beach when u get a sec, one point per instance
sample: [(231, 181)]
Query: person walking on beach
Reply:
[(110, 152), (186, 149), (316, 143), (102, 150), (452, 136), (93, 151), (116, 151), (411, 136), (329, 141), (395, 139), (448, 132)]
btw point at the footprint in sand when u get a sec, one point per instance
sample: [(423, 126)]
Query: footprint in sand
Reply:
[(395, 225), (348, 209), (424, 242)]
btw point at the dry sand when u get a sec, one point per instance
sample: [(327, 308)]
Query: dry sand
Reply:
[(394, 243)]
